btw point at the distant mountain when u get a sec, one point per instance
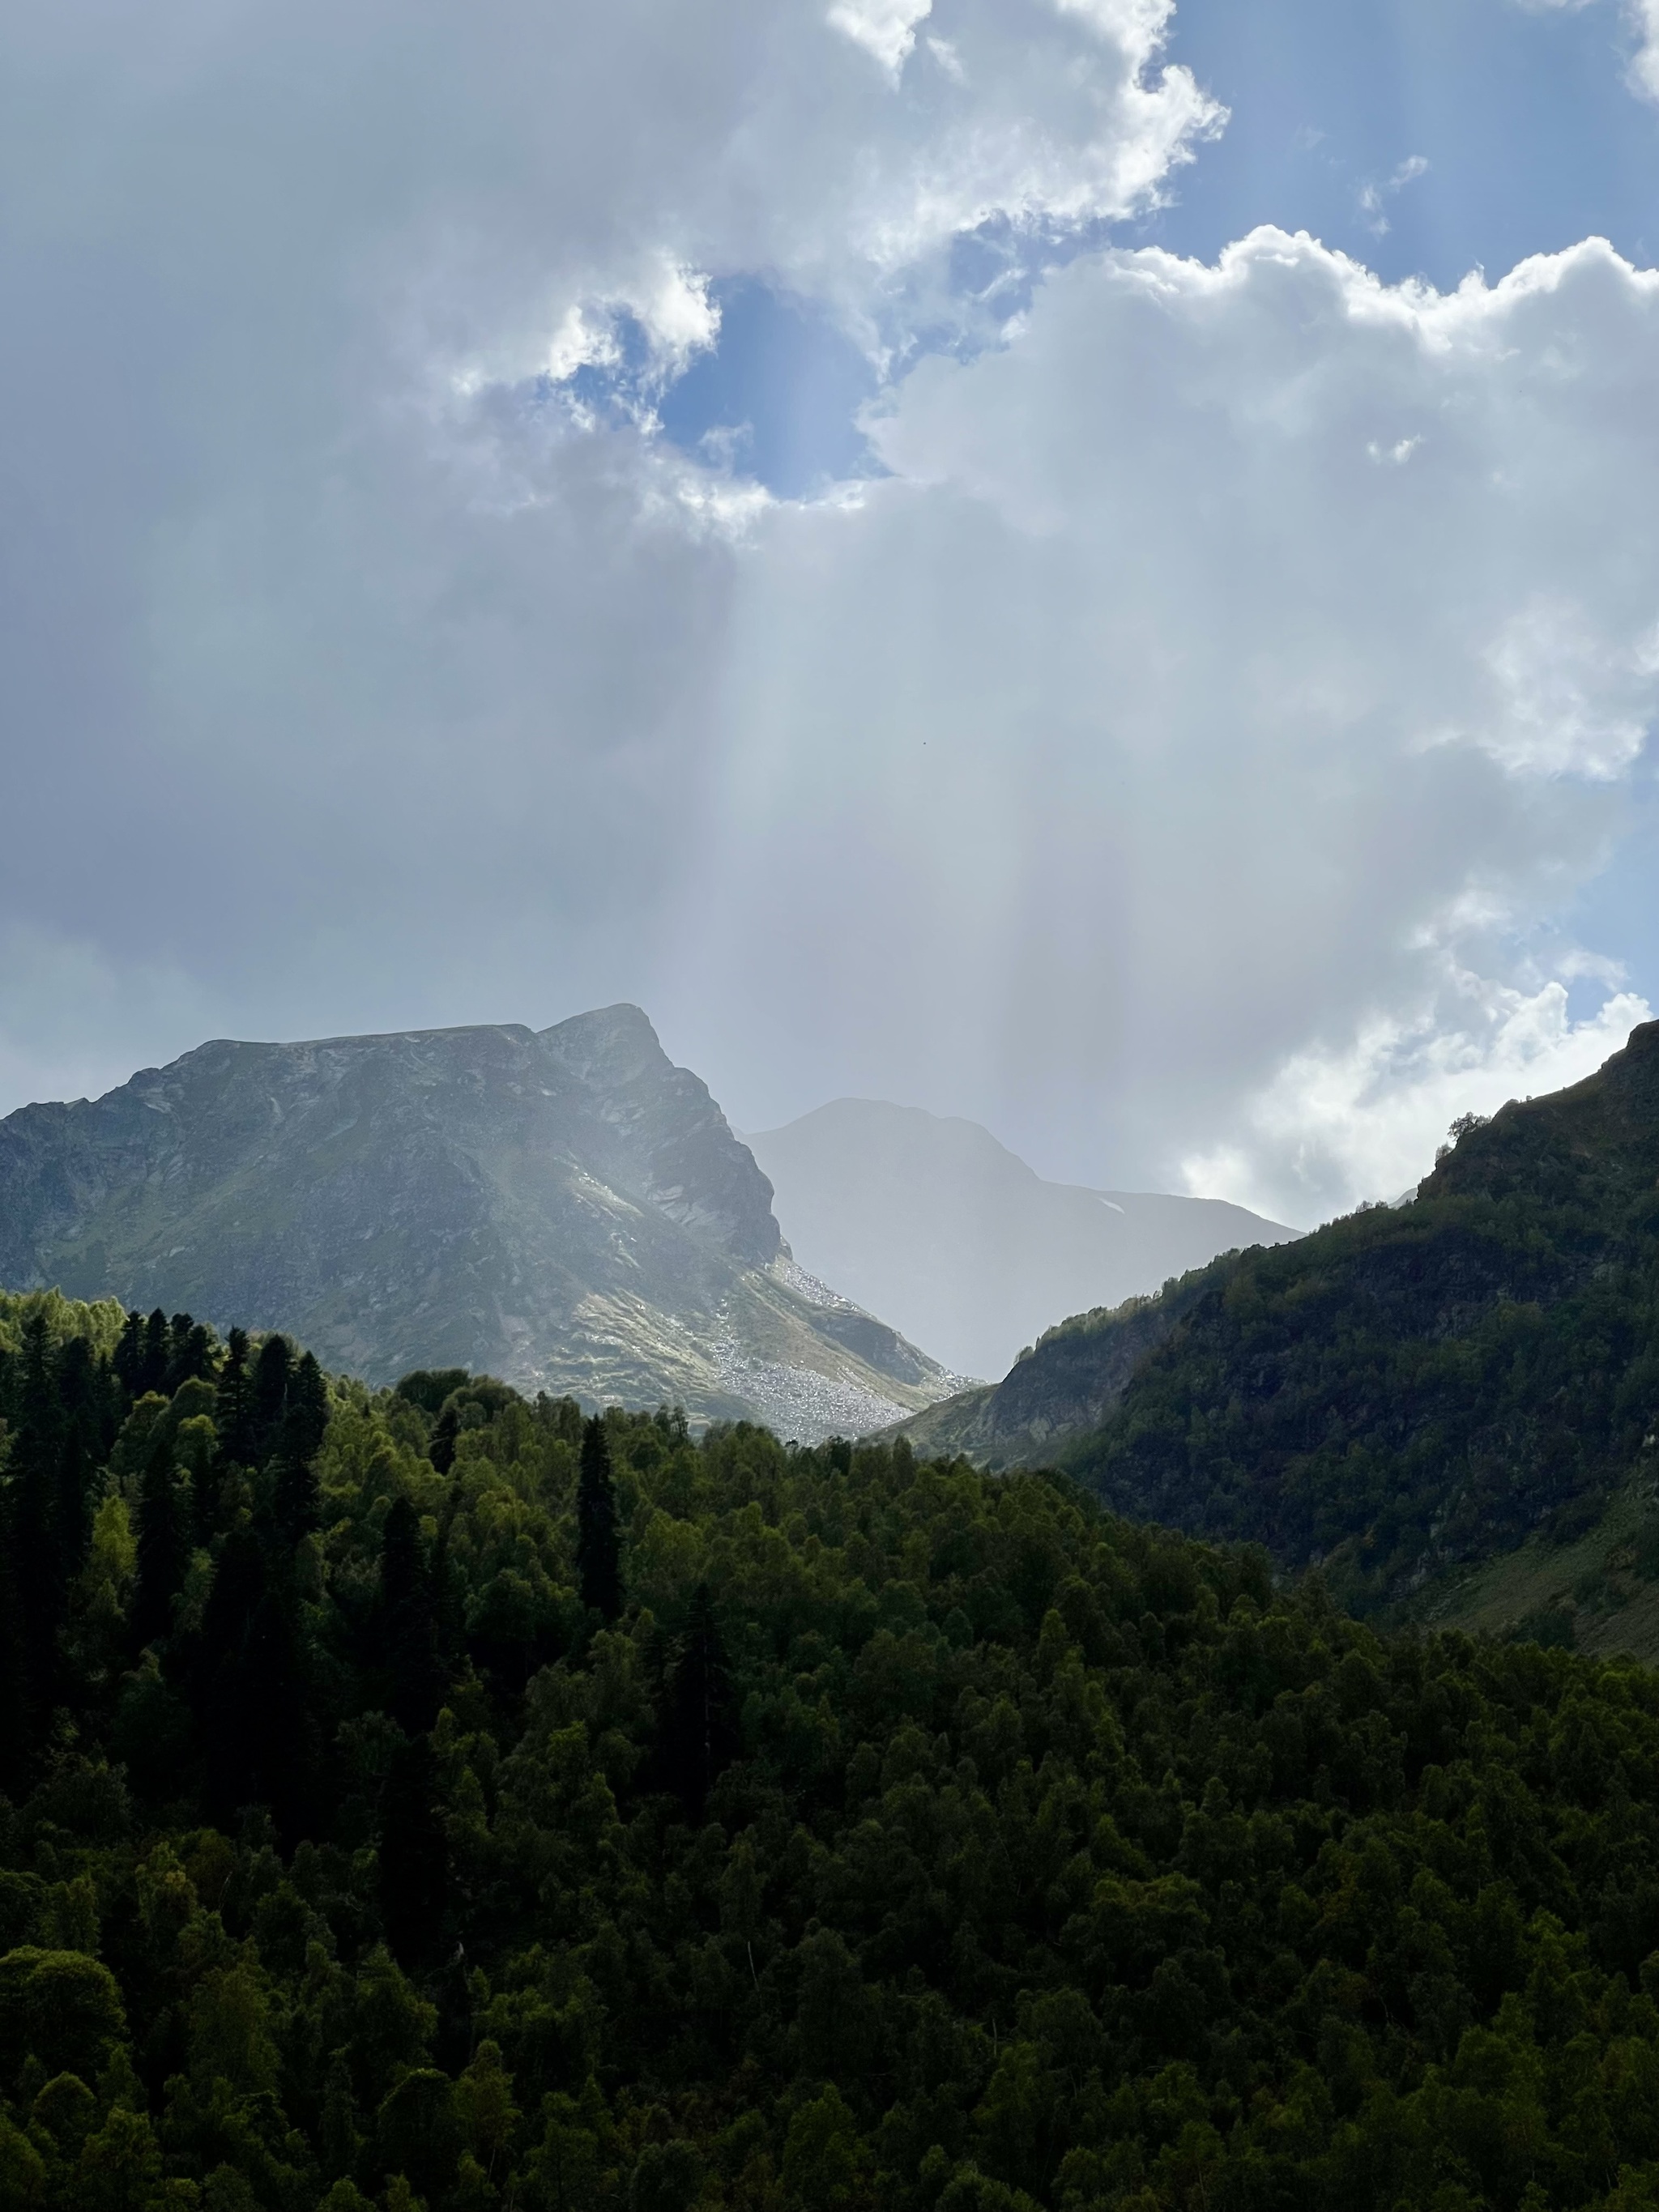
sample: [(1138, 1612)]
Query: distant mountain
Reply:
[(1404, 1394), (568, 1210), (934, 1221)]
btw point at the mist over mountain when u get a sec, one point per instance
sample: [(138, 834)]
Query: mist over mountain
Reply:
[(931, 1220), (1453, 1400), (566, 1209)]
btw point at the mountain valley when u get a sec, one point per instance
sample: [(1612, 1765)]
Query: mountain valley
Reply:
[(934, 1224)]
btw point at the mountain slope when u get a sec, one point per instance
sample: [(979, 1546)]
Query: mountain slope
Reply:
[(934, 1221), (1403, 1392), (569, 1210)]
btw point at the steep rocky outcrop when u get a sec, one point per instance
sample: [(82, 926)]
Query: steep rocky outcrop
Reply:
[(565, 1208)]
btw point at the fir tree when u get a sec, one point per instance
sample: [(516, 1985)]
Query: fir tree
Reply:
[(700, 1731), (599, 1566), (33, 1525), (233, 1410), (407, 1624), (414, 1869), (441, 1450), (129, 1360), (161, 1547), (305, 1423), (158, 1351), (270, 1374)]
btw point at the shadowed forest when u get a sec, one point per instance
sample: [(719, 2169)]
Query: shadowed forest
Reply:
[(432, 1798)]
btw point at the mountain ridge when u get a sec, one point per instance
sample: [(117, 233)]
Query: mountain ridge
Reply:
[(930, 1220), (1403, 1394), (564, 1206)]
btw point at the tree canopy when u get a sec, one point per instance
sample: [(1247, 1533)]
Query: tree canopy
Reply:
[(910, 1837)]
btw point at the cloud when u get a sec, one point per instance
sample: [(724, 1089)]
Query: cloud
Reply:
[(1230, 656), (887, 29), (1366, 1119), (1141, 739), (1373, 196), (1643, 18)]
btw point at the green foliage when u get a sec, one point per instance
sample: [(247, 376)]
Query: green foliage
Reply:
[(908, 1838), (1412, 1388)]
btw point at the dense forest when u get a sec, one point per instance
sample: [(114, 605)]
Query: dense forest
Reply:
[(1417, 1386), (429, 1797)]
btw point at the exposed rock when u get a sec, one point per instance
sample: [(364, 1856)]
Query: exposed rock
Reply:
[(567, 1209)]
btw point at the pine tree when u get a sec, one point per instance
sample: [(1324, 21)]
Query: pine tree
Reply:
[(598, 1565)]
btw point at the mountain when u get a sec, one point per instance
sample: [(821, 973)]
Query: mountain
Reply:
[(934, 1222), (1407, 1393), (565, 1208)]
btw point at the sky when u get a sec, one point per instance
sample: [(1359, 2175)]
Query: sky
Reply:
[(1084, 563)]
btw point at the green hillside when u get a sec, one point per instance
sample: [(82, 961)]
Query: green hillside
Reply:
[(429, 1798), (1408, 1396)]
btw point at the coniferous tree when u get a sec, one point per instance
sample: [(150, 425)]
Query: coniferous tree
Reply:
[(238, 1591), (270, 1374), (414, 1868), (598, 1564), (305, 1423), (33, 1524), (129, 1359), (158, 1351), (191, 1352), (163, 1550), (407, 1624), (276, 1702), (700, 1730), (441, 1450), (233, 1410)]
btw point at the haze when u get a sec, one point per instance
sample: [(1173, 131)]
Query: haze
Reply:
[(1060, 561)]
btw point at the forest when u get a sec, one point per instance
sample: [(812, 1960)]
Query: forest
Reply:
[(432, 1798), (1415, 1387)]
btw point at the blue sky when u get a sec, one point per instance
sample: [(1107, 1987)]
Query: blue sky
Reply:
[(1523, 120)]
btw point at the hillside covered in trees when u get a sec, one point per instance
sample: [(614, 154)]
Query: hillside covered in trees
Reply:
[(1406, 1391), (429, 1797)]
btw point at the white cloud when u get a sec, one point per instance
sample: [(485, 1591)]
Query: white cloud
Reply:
[(885, 28), (1368, 1117), (1229, 656), (1373, 196), (1644, 63), (1642, 17), (1141, 729)]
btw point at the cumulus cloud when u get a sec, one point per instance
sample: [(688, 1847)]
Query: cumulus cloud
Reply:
[(1369, 1116), (1228, 660), (1229, 657)]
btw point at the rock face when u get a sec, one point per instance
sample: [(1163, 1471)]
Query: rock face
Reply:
[(935, 1224), (566, 1209)]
